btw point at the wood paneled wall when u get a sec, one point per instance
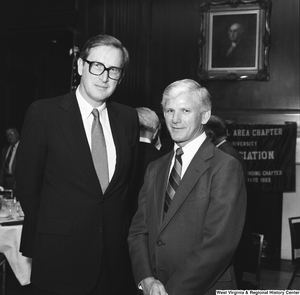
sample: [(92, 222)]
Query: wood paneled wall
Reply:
[(162, 39), (162, 36)]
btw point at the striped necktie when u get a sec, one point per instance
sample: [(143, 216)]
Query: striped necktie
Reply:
[(174, 180), (99, 152)]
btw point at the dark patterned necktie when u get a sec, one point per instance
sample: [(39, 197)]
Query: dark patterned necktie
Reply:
[(99, 152), (174, 180), (8, 158)]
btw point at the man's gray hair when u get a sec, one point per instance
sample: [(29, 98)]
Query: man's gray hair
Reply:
[(148, 119), (188, 86)]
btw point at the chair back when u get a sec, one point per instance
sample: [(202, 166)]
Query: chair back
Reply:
[(294, 223), (253, 264), (258, 241), (3, 271)]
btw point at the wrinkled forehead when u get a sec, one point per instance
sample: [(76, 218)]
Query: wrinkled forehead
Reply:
[(183, 100)]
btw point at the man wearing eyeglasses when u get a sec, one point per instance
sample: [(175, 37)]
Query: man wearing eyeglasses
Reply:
[(75, 194)]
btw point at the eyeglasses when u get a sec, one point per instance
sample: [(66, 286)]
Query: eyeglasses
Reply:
[(97, 68)]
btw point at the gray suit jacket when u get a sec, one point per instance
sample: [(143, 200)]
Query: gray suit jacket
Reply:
[(190, 250)]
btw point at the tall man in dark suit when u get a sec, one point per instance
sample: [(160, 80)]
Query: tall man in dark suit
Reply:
[(8, 159), (74, 229), (186, 230)]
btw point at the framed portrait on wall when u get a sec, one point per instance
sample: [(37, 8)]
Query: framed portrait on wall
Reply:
[(234, 40)]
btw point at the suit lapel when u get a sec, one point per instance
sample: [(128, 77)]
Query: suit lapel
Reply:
[(192, 175), (161, 180), (71, 120), (118, 133), (72, 127)]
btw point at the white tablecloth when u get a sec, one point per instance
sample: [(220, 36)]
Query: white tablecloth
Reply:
[(10, 237)]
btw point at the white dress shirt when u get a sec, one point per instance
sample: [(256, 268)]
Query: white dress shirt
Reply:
[(189, 152), (12, 156), (87, 118)]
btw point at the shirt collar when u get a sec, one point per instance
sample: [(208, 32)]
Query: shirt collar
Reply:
[(145, 139), (220, 143), (85, 108), (192, 147)]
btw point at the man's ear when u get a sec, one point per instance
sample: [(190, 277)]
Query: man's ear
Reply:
[(79, 66), (205, 117)]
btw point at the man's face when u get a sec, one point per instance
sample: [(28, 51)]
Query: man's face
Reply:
[(184, 118), (234, 33), (12, 136), (96, 89)]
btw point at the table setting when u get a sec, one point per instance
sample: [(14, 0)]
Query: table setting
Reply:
[(11, 220), (11, 212)]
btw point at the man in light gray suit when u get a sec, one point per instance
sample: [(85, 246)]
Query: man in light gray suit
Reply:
[(183, 243)]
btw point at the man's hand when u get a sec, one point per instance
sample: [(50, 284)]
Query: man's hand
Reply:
[(151, 286)]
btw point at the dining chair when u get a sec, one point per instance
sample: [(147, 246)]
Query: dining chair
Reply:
[(253, 267), (294, 224), (3, 271)]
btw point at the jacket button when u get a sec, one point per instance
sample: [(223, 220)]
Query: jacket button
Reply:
[(159, 243), (100, 230)]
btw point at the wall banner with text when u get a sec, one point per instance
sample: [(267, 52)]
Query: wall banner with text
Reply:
[(269, 152)]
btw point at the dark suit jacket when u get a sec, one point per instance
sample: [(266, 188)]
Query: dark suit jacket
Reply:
[(69, 224), (147, 154), (190, 251), (2, 163)]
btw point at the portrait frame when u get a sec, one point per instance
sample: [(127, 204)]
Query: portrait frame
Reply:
[(249, 58)]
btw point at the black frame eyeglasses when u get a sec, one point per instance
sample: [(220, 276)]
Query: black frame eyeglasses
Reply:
[(97, 68)]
